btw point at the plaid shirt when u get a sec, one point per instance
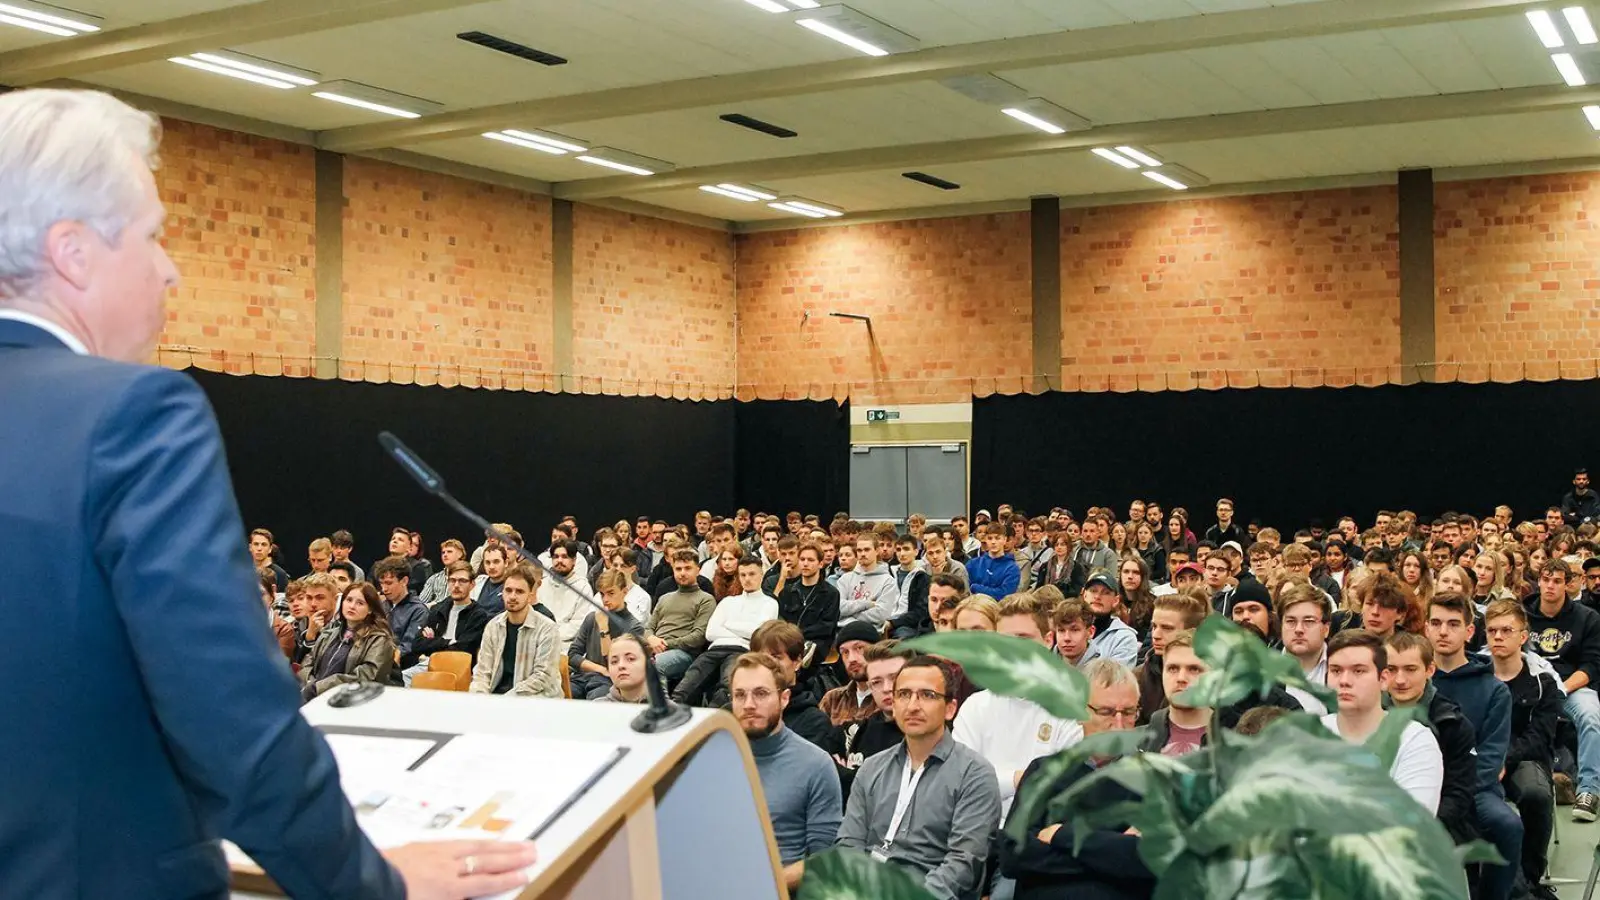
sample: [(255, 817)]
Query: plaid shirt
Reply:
[(538, 671)]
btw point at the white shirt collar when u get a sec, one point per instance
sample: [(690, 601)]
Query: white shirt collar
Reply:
[(56, 331)]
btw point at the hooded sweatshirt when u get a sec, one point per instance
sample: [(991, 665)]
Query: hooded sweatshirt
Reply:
[(1487, 705), (869, 595), (1113, 639), (1457, 807), (995, 576), (1570, 639), (737, 617)]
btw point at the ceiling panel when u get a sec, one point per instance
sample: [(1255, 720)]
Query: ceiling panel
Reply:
[(1441, 55), (1508, 48)]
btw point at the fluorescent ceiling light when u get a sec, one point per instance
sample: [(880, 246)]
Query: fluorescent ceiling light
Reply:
[(1139, 156), (248, 68), (519, 142), (771, 6), (738, 192), (378, 100), (1578, 20), (804, 4), (1592, 113), (48, 19), (812, 207), (802, 207), (1114, 156), (855, 30), (1176, 177), (1544, 25), (790, 208), (622, 161), (1568, 67), (1046, 116), (543, 142)]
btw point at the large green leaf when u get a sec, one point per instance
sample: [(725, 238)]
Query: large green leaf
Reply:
[(1479, 852), (841, 874), (1242, 665), (1014, 667), (1261, 870), (1035, 794), (1297, 783), (1394, 863)]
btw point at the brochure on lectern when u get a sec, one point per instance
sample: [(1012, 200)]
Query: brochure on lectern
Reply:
[(423, 786)]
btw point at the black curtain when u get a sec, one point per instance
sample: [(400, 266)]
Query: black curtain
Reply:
[(305, 459), (793, 455), (1287, 456)]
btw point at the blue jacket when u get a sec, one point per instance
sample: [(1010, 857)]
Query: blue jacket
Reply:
[(995, 577), (1486, 702), (155, 714)]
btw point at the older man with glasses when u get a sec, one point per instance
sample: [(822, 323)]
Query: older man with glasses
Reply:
[(1046, 864)]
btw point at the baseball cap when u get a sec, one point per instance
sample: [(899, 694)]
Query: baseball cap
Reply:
[(1101, 578), (1194, 567)]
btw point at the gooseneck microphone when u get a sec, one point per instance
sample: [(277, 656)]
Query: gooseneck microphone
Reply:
[(661, 714)]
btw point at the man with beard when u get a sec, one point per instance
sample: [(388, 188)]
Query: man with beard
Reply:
[(852, 702), (566, 601), (486, 593), (1172, 614), (854, 742), (785, 643), (803, 797)]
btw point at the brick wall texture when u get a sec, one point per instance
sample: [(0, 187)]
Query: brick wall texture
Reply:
[(1241, 291), (949, 299), (452, 281), (1517, 263), (652, 305)]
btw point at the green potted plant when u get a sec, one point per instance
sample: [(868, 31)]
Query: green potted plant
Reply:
[(1294, 812)]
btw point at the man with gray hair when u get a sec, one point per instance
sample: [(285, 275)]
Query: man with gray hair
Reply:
[(170, 737)]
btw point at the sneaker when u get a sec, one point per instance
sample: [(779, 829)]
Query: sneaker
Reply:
[(1584, 808), (1543, 892), (1565, 793)]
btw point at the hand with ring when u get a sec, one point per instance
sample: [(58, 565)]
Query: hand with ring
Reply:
[(456, 870)]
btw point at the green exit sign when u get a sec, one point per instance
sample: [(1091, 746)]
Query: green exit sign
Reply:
[(882, 415)]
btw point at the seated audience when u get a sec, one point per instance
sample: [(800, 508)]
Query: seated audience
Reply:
[(1303, 617), (1048, 864), (1179, 728), (995, 573), (1358, 672), (784, 643), (978, 612), (854, 742), (1567, 634), (359, 647), (1113, 638), (677, 630), (868, 593), (406, 613), (1073, 626), (1385, 602), (728, 631), (343, 543), (283, 630), (1175, 613), (567, 595), (936, 559), (436, 589), (810, 603), (1411, 672), (802, 792), (521, 649), (453, 625), (912, 582), (589, 653), (625, 666), (942, 837), (1536, 701), (852, 701)]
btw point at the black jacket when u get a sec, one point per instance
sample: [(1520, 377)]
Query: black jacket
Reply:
[(469, 632), (1457, 807), (1570, 639), (804, 718), (1578, 510), (1536, 702), (814, 610), (1235, 532), (1108, 867)]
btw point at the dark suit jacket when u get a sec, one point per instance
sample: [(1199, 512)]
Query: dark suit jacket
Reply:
[(156, 714)]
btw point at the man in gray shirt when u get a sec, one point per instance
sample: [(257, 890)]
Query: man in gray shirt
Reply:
[(928, 804)]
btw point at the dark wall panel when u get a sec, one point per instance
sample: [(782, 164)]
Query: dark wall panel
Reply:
[(305, 458), (793, 455), (1286, 456)]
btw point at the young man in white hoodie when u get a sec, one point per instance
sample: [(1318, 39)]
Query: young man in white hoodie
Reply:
[(732, 623), (868, 593)]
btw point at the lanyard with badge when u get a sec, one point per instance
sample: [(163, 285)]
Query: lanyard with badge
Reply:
[(902, 807)]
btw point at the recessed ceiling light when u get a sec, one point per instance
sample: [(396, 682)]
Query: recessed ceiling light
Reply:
[(1115, 157), (543, 141), (378, 100), (1544, 25), (1046, 116), (52, 20), (1140, 156), (1568, 67), (248, 68), (623, 161), (1592, 113), (738, 192), (771, 6), (806, 208), (1176, 177), (856, 30), (1578, 20)]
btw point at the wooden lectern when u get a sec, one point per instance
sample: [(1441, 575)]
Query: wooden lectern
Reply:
[(680, 815)]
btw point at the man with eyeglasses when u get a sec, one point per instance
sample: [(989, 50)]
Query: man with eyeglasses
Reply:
[(929, 804), (1536, 701), (457, 625), (797, 777), (1303, 616), (1047, 863)]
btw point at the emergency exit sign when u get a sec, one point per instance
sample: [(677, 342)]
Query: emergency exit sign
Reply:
[(882, 415)]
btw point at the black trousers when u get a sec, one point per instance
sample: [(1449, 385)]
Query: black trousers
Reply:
[(708, 672), (1528, 787)]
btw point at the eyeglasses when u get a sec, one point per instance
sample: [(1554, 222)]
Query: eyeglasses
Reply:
[(906, 695), (456, 579), (760, 695), (1115, 712), (1503, 631), (1295, 624)]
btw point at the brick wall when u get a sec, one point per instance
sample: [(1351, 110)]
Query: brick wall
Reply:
[(949, 299), (1210, 292), (242, 230), (443, 272), (652, 304), (1517, 277)]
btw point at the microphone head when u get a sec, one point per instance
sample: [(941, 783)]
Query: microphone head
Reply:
[(412, 463)]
